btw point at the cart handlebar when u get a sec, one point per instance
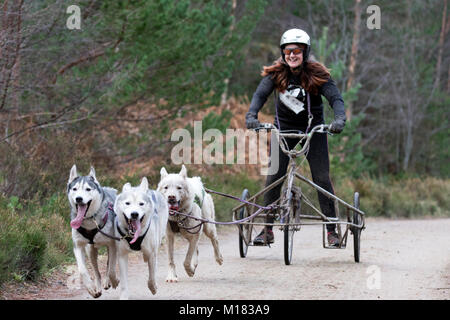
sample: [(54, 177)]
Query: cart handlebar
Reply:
[(321, 128)]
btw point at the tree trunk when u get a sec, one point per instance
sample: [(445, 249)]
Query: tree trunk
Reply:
[(448, 80), (441, 48), (10, 39), (15, 93), (353, 55), (447, 28), (408, 146), (3, 12), (224, 96)]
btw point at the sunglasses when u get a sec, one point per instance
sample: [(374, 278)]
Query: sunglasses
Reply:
[(294, 50)]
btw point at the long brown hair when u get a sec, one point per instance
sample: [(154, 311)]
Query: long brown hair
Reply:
[(312, 75)]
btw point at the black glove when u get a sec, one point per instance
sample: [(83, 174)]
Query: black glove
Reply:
[(338, 124), (251, 120)]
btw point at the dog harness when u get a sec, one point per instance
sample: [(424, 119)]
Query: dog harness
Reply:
[(136, 246), (91, 233), (174, 226), (179, 224), (199, 201)]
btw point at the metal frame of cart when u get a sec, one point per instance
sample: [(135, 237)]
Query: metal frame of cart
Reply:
[(287, 210)]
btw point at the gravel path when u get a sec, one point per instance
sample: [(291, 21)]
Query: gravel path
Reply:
[(400, 259)]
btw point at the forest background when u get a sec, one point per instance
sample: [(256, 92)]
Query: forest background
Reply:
[(110, 93)]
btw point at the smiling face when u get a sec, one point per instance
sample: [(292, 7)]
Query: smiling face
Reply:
[(133, 208), (175, 189), (84, 196), (294, 60)]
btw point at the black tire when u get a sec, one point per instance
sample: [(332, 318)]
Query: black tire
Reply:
[(356, 231), (243, 230), (289, 233)]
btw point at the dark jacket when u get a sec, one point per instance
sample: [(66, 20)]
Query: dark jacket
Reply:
[(288, 119)]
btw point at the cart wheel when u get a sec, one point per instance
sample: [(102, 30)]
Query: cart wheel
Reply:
[(245, 231), (289, 232), (356, 231)]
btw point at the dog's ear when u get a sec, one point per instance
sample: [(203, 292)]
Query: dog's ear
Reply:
[(73, 173), (183, 171), (92, 173), (144, 184), (163, 173), (126, 187)]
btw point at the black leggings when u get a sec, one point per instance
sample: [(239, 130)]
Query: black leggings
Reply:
[(319, 164)]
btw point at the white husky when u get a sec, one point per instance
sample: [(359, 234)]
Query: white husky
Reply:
[(91, 218), (141, 221), (187, 195)]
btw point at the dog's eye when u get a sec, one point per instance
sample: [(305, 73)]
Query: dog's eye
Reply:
[(166, 187), (74, 189), (127, 203), (141, 204), (88, 189), (179, 188)]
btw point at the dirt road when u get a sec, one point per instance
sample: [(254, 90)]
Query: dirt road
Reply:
[(407, 259)]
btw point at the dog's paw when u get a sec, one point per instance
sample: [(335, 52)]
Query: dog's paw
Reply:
[(114, 282), (95, 293), (190, 270), (106, 284), (171, 278), (152, 286), (219, 260)]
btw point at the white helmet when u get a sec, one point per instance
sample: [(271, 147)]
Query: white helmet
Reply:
[(296, 36)]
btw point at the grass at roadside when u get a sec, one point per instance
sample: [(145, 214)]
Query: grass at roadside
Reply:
[(402, 198), (34, 237)]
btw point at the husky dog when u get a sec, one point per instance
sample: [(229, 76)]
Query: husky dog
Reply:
[(187, 195), (92, 217), (141, 221)]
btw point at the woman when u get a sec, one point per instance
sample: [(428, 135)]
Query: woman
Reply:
[(296, 78)]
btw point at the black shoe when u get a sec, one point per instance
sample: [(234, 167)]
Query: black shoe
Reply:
[(333, 239), (265, 237)]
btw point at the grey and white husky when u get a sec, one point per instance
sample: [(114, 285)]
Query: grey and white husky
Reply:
[(141, 222), (92, 216)]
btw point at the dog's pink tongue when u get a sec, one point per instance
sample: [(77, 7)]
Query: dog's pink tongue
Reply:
[(137, 227), (76, 223)]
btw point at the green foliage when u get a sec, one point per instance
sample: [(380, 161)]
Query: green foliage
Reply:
[(34, 238), (214, 121), (43, 174), (220, 122), (393, 197), (322, 48), (14, 204), (346, 153), (171, 55), (180, 51), (436, 153)]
